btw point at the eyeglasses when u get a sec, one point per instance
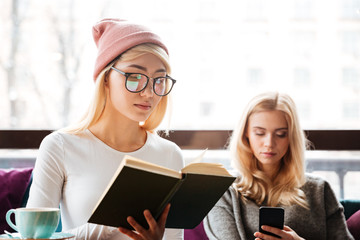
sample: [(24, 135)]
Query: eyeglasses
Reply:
[(137, 82)]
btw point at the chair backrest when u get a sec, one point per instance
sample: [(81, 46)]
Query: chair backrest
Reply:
[(197, 233), (13, 185), (350, 206), (14, 192)]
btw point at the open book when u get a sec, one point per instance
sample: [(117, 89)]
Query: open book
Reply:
[(138, 185)]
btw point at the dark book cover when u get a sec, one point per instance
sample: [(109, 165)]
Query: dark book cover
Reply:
[(132, 192), (195, 198)]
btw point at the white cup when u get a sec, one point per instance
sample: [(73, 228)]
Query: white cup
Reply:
[(34, 222)]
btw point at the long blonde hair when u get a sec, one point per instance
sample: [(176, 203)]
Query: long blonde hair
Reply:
[(98, 101), (253, 183)]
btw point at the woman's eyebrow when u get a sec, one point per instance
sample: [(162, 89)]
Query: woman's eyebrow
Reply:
[(257, 127), (144, 68), (281, 129), (137, 66), (277, 129)]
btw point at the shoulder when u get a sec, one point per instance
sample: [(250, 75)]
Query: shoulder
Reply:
[(52, 150), (316, 186), (319, 192), (52, 140), (314, 179), (315, 183), (61, 140), (59, 137)]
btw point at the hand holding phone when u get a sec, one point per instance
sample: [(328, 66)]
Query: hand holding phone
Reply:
[(271, 216)]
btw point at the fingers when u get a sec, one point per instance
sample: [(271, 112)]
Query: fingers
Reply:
[(149, 219), (164, 215), (262, 236), (156, 228), (286, 233), (131, 233), (139, 233), (273, 230), (161, 221), (287, 228)]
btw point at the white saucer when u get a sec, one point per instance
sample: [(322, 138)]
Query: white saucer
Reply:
[(57, 235)]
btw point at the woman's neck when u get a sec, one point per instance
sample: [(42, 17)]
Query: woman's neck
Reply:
[(271, 171), (119, 133)]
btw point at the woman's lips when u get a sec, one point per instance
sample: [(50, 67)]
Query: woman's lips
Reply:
[(143, 106), (268, 154)]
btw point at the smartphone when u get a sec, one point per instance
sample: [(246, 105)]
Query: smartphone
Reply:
[(271, 216)]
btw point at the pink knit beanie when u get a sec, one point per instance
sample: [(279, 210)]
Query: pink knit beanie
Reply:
[(115, 36)]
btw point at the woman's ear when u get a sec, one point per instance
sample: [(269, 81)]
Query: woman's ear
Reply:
[(246, 134), (106, 79)]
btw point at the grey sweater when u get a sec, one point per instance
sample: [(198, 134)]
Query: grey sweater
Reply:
[(233, 219)]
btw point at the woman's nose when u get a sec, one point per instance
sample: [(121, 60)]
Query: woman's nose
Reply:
[(148, 90), (269, 141)]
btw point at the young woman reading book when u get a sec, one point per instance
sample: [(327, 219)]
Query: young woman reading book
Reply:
[(268, 149), (75, 164)]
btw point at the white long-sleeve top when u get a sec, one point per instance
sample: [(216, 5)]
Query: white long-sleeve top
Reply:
[(73, 171)]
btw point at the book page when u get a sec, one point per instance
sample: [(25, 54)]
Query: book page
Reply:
[(206, 168), (150, 167), (196, 166)]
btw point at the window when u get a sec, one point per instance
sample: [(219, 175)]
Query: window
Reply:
[(350, 9), (304, 43), (304, 110), (351, 43), (255, 9), (255, 76), (351, 110), (206, 108), (303, 9), (208, 10), (302, 77), (49, 83), (351, 78)]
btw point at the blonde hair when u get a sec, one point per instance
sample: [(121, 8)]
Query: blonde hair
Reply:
[(98, 101), (254, 184)]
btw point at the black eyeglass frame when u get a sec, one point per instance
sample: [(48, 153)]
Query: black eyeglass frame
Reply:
[(148, 79)]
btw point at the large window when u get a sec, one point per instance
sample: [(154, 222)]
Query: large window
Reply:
[(220, 52)]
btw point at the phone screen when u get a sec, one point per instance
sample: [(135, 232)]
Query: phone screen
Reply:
[(271, 216)]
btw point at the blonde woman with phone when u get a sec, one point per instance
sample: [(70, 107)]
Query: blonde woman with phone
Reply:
[(268, 149)]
